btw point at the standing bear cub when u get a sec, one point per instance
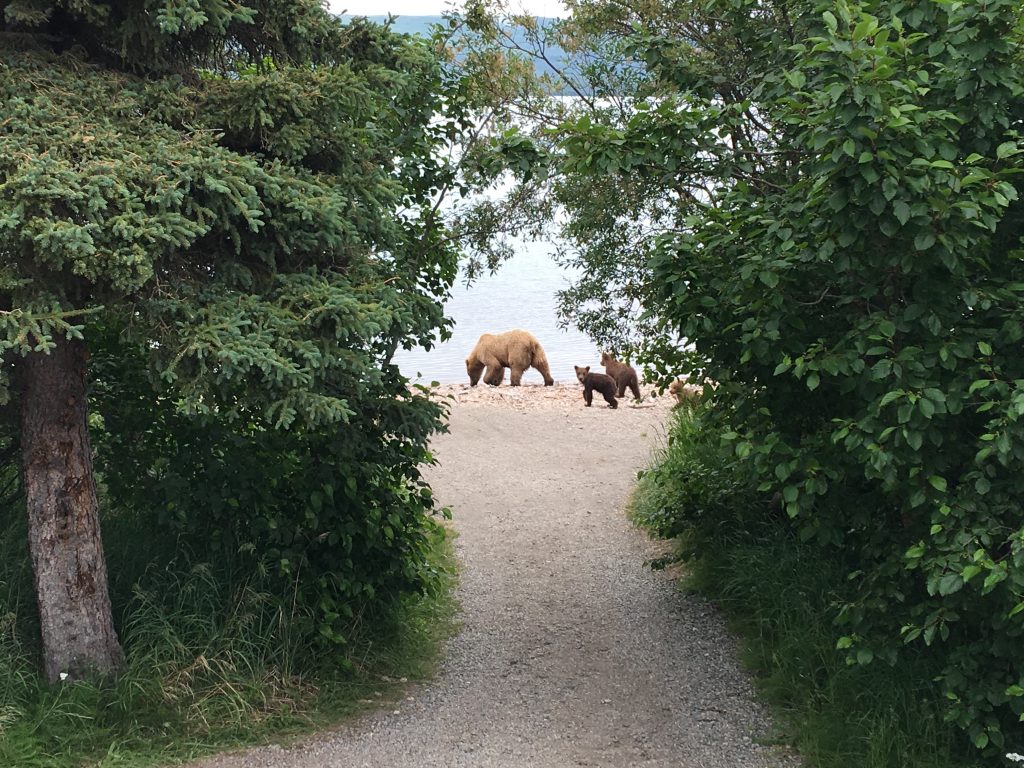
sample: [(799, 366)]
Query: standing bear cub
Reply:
[(517, 350), (624, 375), (685, 394), (601, 382)]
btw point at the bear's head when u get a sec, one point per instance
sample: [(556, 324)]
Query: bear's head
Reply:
[(474, 368), (581, 373)]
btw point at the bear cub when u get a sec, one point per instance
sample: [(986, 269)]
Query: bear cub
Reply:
[(685, 394), (624, 375), (599, 381)]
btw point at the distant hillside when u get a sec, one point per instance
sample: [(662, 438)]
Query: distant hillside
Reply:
[(420, 25), (408, 25)]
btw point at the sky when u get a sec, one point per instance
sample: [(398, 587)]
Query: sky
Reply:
[(435, 7)]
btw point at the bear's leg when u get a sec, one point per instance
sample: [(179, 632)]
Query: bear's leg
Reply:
[(517, 375), (622, 388), (635, 388), (610, 399), (495, 374), (588, 395), (542, 367), (495, 369), (474, 368)]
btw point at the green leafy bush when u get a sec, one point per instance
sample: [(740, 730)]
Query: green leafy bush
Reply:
[(781, 594), (335, 518), (695, 486), (846, 263)]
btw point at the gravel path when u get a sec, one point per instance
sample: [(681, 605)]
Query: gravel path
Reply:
[(572, 652)]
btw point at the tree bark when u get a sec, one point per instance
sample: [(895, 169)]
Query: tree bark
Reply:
[(63, 519)]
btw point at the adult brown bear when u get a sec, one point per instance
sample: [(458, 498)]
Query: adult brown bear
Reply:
[(517, 350)]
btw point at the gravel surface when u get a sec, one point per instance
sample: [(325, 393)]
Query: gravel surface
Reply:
[(572, 651)]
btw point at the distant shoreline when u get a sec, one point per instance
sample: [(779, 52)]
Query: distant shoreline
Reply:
[(530, 397)]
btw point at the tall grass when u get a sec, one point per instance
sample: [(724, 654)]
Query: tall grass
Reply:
[(779, 596), (211, 660)]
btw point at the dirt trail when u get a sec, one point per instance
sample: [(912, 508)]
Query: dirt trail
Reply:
[(572, 652)]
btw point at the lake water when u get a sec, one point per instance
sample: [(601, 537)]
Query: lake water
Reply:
[(521, 294)]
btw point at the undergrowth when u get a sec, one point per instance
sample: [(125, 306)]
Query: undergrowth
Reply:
[(211, 660), (780, 595)]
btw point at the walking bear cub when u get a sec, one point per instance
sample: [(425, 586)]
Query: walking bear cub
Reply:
[(601, 382), (624, 375)]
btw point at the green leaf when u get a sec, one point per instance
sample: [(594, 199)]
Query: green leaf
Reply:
[(924, 241), (796, 78), (916, 551), (950, 584), (892, 396), (901, 211), (970, 572), (1007, 149), (864, 28), (915, 439), (938, 483), (927, 407)]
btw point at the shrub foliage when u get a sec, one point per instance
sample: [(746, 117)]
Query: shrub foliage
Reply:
[(829, 195)]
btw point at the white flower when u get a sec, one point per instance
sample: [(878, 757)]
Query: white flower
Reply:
[(1013, 757), (64, 676)]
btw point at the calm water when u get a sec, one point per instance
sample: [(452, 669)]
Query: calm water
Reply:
[(520, 295)]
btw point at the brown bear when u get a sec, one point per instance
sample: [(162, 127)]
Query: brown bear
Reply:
[(624, 375), (517, 350), (601, 382), (687, 394)]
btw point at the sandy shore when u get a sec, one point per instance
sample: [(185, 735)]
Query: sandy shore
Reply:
[(564, 397)]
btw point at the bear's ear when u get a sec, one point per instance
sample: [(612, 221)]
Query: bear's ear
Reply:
[(586, 370)]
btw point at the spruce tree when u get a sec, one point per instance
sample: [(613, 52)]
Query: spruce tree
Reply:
[(244, 188)]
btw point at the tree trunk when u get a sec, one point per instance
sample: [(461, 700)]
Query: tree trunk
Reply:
[(63, 520)]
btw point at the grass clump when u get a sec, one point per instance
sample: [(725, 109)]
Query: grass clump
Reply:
[(212, 661), (780, 596)]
